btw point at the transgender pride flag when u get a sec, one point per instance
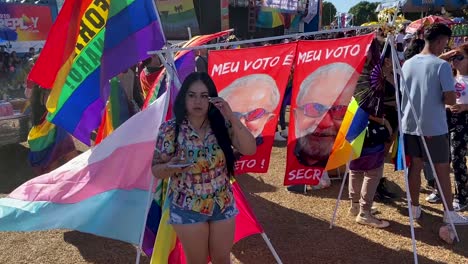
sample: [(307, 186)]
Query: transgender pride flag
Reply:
[(104, 191)]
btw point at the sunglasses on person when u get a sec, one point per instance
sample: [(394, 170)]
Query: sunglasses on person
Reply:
[(252, 115), (316, 110), (458, 58)]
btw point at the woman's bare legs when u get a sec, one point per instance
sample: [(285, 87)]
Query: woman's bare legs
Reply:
[(221, 240), (195, 240)]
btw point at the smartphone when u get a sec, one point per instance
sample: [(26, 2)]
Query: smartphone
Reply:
[(180, 166), (211, 98)]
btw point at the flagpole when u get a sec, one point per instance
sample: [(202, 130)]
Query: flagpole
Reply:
[(150, 191), (337, 204), (159, 20), (272, 249), (395, 60), (148, 206)]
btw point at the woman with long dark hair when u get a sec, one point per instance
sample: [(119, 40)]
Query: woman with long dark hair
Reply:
[(457, 117), (202, 207)]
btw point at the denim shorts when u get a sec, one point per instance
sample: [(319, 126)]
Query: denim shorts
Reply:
[(180, 216)]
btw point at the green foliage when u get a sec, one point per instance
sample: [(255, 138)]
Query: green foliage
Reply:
[(328, 13), (363, 12)]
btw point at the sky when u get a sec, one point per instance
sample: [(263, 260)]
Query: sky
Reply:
[(345, 5)]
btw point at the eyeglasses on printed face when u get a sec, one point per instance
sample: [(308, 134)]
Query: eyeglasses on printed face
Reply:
[(252, 115), (458, 58), (316, 110)]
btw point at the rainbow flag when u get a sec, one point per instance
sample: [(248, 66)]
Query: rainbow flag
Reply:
[(47, 143), (116, 112), (91, 42), (103, 191), (350, 139)]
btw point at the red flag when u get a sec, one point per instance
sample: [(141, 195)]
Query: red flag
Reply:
[(325, 77), (253, 82), (246, 222)]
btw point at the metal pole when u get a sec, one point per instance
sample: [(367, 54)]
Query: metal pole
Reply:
[(159, 19), (148, 205), (236, 43), (395, 61), (272, 249), (337, 204)]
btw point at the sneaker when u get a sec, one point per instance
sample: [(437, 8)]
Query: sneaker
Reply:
[(354, 210), (457, 206), (278, 137), (457, 218), (284, 133), (433, 198), (416, 212), (366, 218)]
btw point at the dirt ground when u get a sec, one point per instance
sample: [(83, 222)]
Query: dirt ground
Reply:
[(297, 225)]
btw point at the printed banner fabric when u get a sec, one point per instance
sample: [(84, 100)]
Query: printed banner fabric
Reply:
[(324, 81), (31, 22), (253, 82)]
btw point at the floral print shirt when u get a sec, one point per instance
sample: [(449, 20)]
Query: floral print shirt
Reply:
[(207, 182)]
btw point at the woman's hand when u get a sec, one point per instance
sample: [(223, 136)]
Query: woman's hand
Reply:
[(458, 108), (242, 140), (447, 55), (223, 107), (166, 170)]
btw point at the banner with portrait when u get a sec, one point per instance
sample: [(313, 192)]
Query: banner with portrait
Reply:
[(325, 76), (253, 82)]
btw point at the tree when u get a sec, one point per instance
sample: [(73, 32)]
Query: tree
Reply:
[(363, 12), (328, 13)]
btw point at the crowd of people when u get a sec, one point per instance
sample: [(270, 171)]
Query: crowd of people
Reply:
[(14, 68), (434, 82), (434, 105), (366, 174)]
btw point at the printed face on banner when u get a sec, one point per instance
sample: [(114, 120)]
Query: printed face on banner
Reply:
[(324, 81), (253, 109), (321, 104), (253, 82)]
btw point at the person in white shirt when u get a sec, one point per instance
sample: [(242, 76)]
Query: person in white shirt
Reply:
[(457, 117), (429, 86)]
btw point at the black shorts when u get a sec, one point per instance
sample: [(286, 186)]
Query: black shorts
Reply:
[(438, 146)]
